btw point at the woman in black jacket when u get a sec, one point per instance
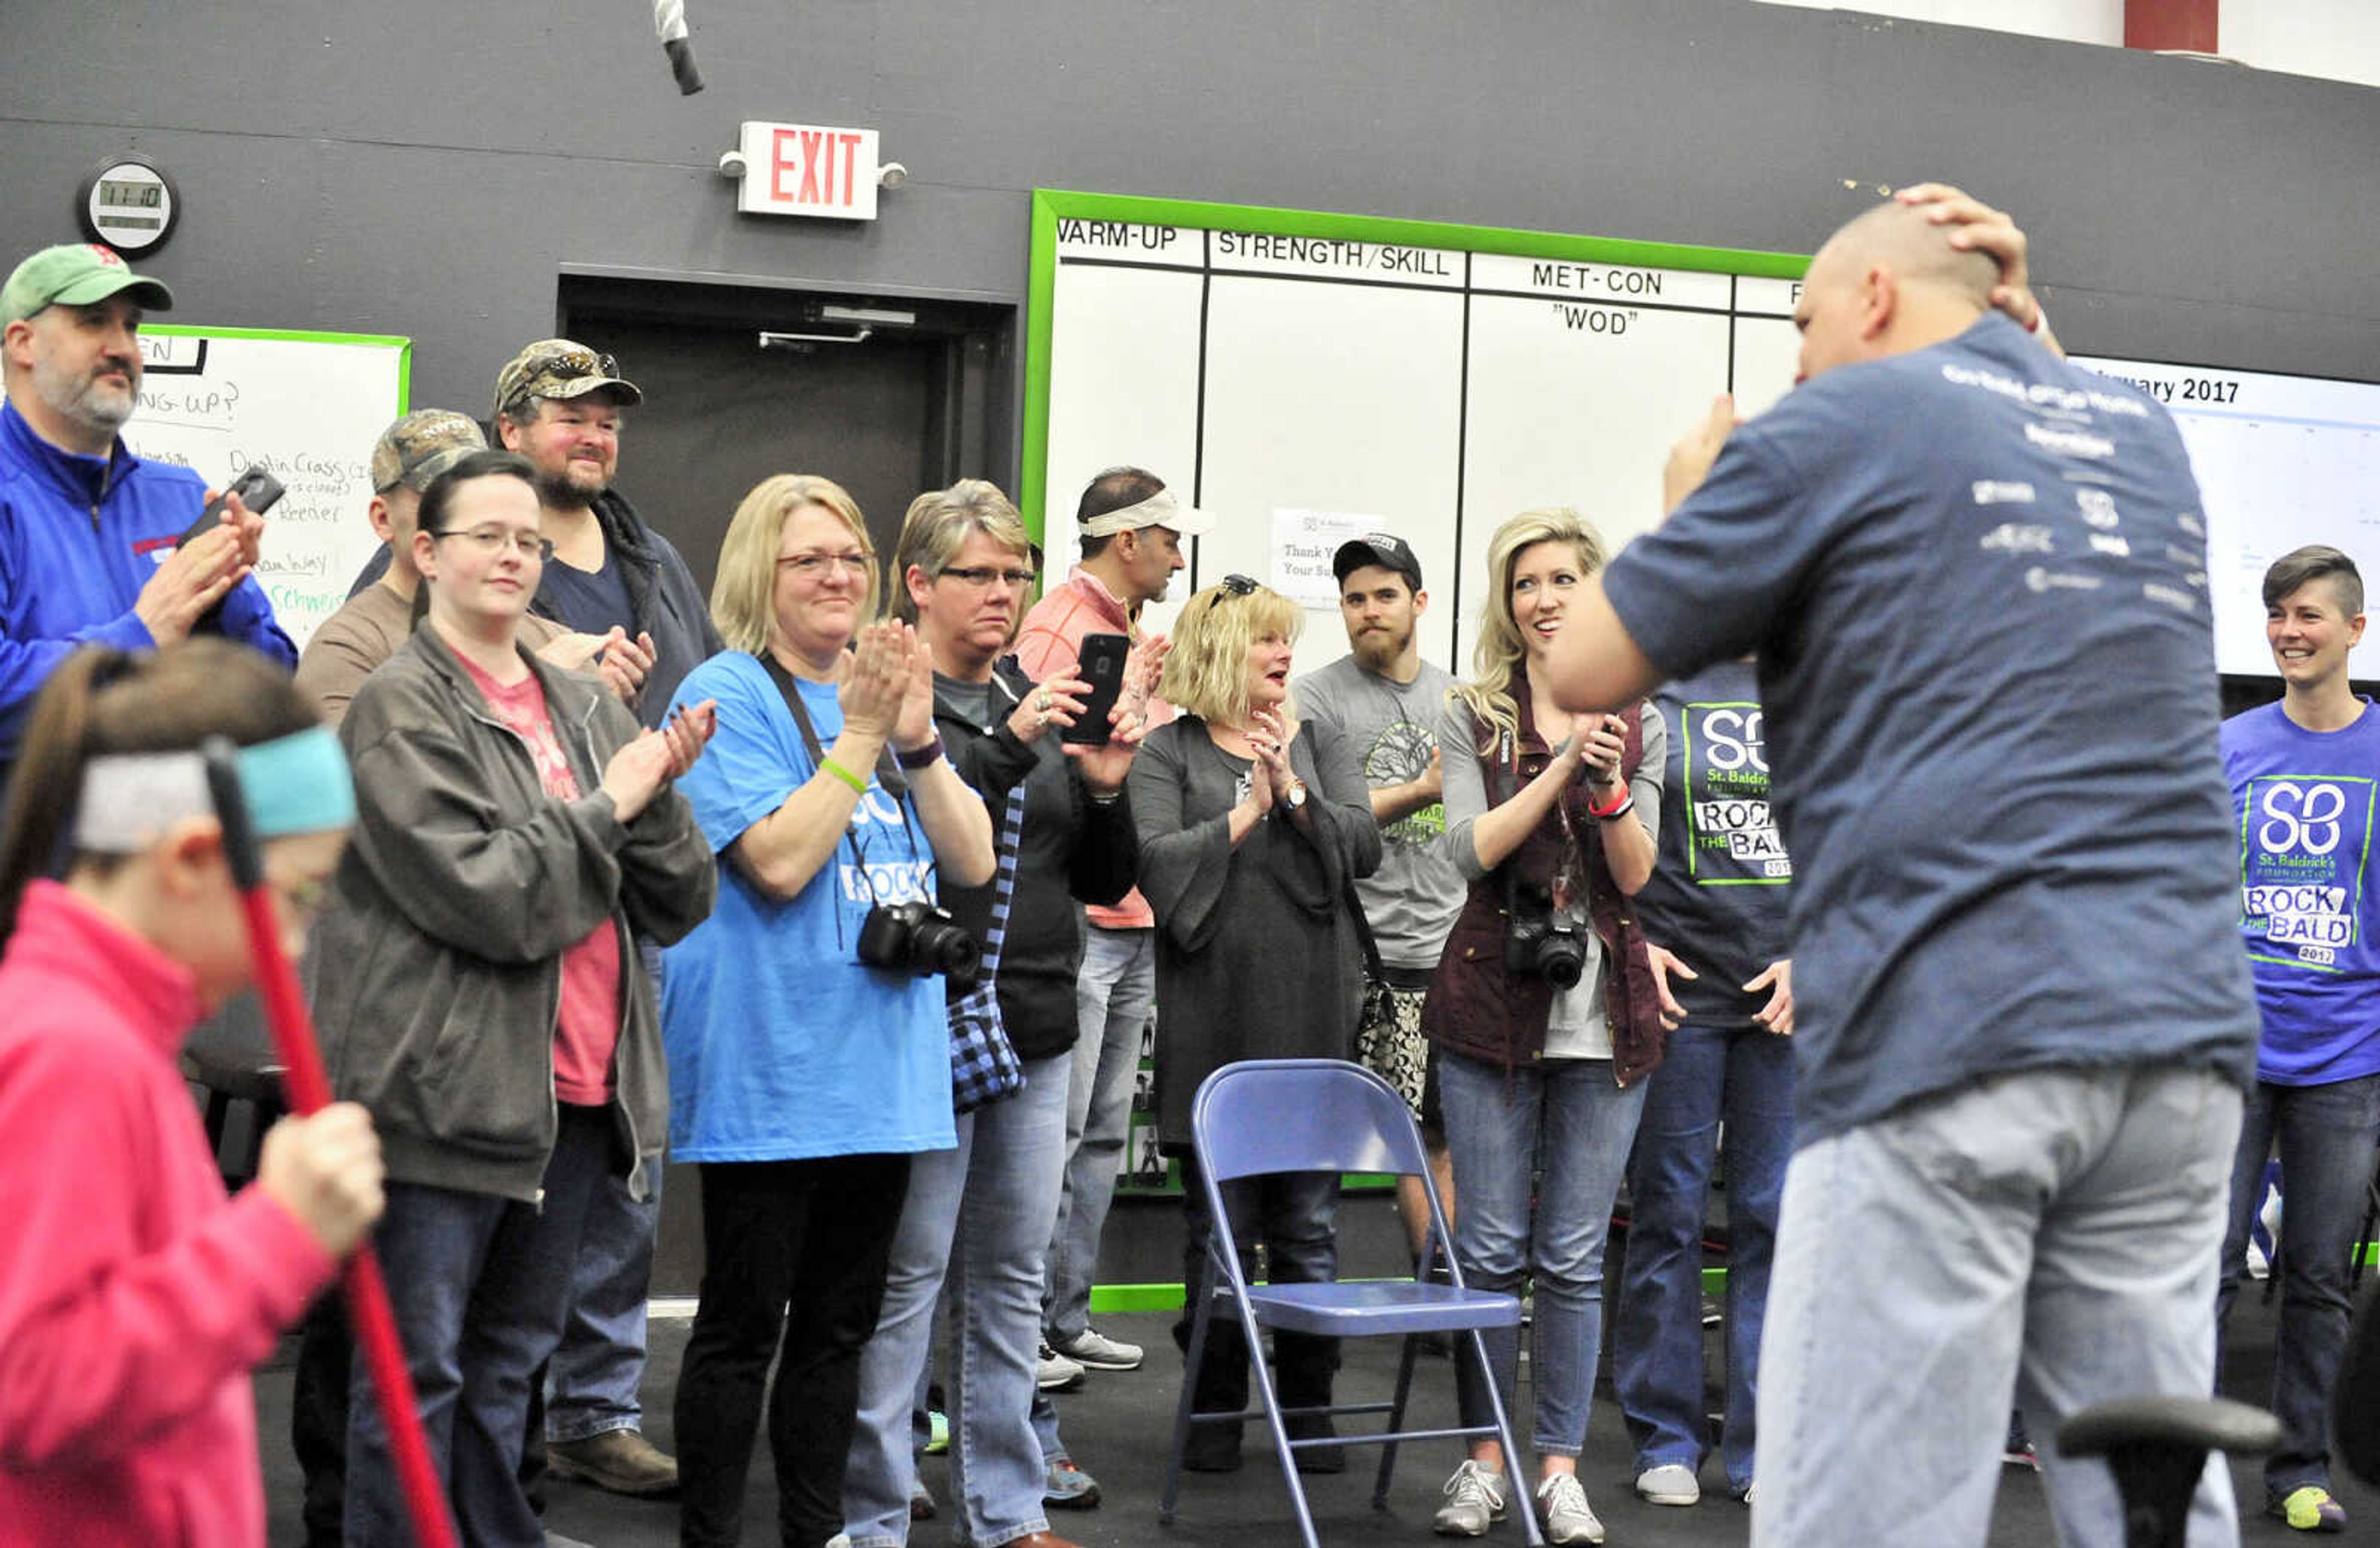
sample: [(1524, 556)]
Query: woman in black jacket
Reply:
[(979, 1217)]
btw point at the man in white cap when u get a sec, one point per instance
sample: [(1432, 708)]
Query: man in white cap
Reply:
[(1131, 527)]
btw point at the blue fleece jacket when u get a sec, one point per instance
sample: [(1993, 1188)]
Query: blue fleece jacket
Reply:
[(80, 537)]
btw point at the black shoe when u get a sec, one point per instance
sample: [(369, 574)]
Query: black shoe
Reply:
[(1316, 1458), (1212, 1449)]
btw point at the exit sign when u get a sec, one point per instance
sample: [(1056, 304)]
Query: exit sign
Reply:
[(807, 169)]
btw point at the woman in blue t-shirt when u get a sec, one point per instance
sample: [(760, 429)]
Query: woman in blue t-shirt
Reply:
[(1715, 908), (2303, 776), (803, 1077)]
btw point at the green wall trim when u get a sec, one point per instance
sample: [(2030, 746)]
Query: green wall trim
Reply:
[(1052, 205)]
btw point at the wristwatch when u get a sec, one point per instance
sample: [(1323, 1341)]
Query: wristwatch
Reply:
[(1296, 797)]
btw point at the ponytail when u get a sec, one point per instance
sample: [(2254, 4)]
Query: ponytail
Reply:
[(105, 701)]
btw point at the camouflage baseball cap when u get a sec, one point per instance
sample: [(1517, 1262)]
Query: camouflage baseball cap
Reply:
[(422, 445), (76, 275), (561, 368)]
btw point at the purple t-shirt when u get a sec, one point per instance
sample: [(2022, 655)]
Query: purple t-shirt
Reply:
[(2307, 802)]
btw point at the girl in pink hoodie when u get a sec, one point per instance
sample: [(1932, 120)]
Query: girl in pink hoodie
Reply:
[(134, 1296)]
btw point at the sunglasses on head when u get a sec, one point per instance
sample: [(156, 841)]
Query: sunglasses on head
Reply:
[(1233, 585)]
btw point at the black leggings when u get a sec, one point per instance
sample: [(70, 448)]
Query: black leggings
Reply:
[(812, 1237)]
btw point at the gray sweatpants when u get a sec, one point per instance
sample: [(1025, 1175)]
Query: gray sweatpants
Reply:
[(2050, 1235)]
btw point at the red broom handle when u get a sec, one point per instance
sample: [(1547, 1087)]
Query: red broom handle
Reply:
[(308, 1090)]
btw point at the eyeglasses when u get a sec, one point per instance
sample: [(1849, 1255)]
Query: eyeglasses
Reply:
[(1233, 585), (983, 576), (490, 540), (813, 565)]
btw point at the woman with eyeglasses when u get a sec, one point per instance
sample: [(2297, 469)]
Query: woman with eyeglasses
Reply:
[(478, 991), (975, 1225), (1543, 1008), (808, 1048), (1249, 835)]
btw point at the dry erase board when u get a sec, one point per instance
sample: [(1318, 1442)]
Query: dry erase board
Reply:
[(307, 407), (1301, 376), (2282, 460)]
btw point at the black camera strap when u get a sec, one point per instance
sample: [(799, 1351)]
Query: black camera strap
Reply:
[(889, 773)]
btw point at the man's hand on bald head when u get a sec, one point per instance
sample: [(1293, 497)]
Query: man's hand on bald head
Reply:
[(1921, 253)]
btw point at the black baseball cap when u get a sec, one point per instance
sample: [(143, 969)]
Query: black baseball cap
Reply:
[(1377, 548)]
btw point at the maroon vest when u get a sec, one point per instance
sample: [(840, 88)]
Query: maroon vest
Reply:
[(1478, 1006)]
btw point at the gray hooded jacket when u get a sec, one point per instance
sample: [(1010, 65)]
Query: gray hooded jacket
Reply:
[(437, 969)]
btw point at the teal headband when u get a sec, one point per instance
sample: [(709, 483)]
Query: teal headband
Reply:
[(296, 784)]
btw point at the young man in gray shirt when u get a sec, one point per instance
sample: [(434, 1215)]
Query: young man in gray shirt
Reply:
[(1385, 702)]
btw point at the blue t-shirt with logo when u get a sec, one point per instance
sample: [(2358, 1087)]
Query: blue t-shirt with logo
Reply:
[(1717, 895), (781, 1046), (2307, 800), (1975, 576)]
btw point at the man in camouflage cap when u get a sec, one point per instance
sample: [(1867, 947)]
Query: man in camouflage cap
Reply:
[(560, 404), (407, 458), (89, 548)]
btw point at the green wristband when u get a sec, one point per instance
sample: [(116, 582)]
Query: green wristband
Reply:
[(846, 775)]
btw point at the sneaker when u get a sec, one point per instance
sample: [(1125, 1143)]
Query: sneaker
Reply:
[(620, 1461), (1568, 1518), (921, 1501), (938, 1432), (1474, 1501), (1068, 1487), (2017, 1451), (1093, 1350), (2308, 1509), (1056, 1372), (1746, 1495), (1669, 1484)]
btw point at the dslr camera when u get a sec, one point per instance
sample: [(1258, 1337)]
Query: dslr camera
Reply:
[(1540, 941), (919, 937)]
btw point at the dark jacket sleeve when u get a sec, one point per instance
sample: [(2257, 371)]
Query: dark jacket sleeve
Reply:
[(1106, 862), (1183, 869), (1344, 827), (990, 766), (517, 891), (668, 881)]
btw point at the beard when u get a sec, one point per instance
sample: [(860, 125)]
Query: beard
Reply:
[(574, 488), (1377, 650), (82, 399)]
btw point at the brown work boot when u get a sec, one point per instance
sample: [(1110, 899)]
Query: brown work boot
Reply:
[(620, 1461)]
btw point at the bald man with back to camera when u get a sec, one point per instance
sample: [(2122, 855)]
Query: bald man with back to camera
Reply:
[(1975, 577)]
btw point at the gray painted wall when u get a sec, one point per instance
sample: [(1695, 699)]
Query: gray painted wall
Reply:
[(427, 168)]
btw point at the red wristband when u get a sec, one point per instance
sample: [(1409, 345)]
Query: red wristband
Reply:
[(1614, 809)]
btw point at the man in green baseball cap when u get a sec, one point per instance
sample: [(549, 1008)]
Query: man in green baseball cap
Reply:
[(90, 549), (87, 392)]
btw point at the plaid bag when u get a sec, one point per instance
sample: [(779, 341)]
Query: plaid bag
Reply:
[(984, 1066)]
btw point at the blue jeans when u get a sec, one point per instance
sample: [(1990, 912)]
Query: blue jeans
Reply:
[(1744, 1076), (1114, 994), (1568, 1117), (2327, 1136), (981, 1214), (478, 1284), (2048, 1233), (591, 1382)]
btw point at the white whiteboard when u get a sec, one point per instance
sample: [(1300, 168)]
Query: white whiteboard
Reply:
[(1435, 386), (307, 407), (2282, 460)]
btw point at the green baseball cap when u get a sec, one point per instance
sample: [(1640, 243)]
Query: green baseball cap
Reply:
[(76, 275), (421, 446)]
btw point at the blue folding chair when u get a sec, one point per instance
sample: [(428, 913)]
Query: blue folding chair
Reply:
[(1322, 1115)]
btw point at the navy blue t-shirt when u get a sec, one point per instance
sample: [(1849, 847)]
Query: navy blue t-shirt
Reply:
[(1717, 895), (1975, 577)]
